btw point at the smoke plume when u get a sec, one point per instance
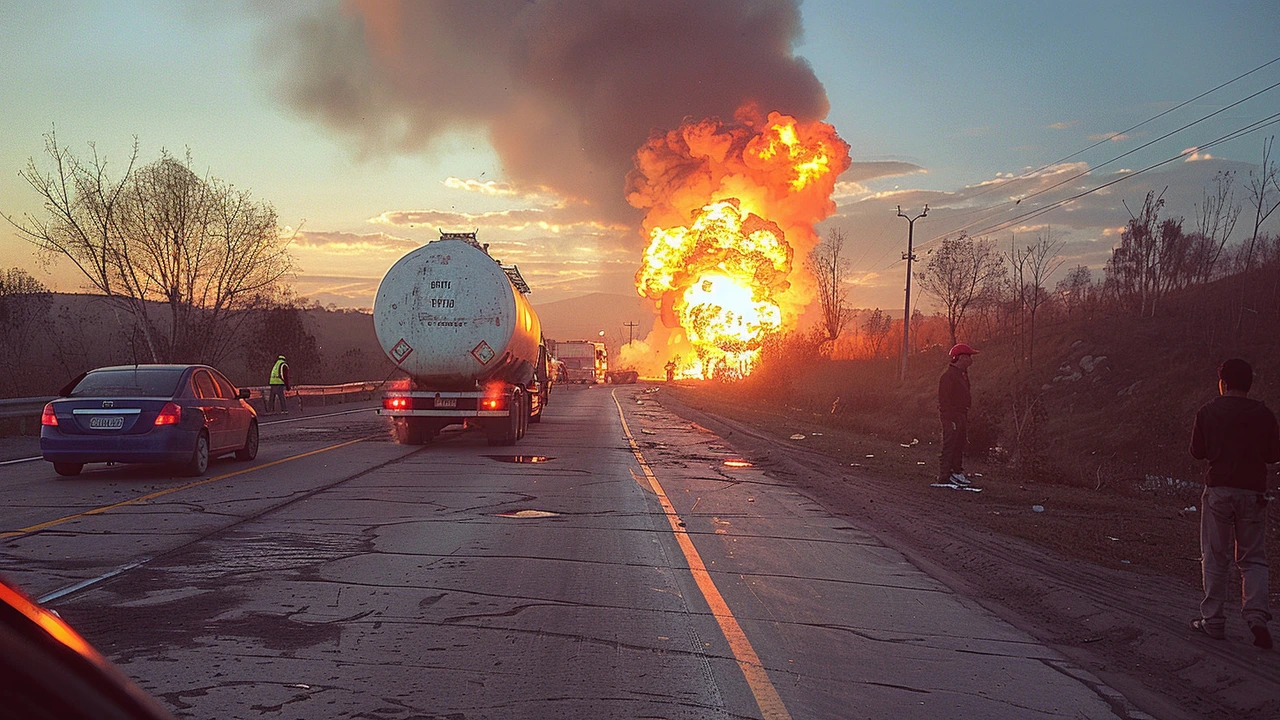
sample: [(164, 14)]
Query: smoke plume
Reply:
[(566, 90)]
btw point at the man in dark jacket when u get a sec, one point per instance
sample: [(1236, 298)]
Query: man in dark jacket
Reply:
[(1238, 437), (953, 406)]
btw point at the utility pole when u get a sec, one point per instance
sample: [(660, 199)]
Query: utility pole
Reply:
[(906, 309), (630, 325)]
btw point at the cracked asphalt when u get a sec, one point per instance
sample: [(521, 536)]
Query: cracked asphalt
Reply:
[(382, 581)]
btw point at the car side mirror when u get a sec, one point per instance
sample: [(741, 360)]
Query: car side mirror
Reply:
[(243, 393)]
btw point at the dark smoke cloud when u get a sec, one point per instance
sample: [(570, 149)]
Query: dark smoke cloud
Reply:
[(567, 90)]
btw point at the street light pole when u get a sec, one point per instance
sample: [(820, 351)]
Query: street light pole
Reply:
[(910, 257)]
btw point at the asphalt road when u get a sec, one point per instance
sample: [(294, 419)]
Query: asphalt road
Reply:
[(632, 574)]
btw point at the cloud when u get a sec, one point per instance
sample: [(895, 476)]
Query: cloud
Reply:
[(1113, 137), (566, 91), (491, 187), (1063, 125), (567, 219), (853, 181), (345, 243)]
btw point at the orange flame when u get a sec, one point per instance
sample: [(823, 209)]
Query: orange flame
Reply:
[(729, 206)]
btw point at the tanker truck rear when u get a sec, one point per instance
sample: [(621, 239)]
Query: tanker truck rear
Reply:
[(459, 326)]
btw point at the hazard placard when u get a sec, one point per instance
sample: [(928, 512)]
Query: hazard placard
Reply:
[(401, 351), (483, 352)]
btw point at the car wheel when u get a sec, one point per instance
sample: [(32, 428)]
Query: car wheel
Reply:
[(199, 461), (68, 469), (250, 449)]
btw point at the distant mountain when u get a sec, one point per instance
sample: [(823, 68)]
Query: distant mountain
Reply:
[(583, 317)]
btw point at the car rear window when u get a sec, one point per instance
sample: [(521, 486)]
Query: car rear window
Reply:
[(130, 382)]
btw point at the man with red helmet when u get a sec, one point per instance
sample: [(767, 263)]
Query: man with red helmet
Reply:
[(953, 405)]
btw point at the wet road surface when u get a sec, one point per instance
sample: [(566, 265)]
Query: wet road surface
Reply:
[(630, 572)]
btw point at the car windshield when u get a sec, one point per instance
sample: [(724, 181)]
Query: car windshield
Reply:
[(129, 382)]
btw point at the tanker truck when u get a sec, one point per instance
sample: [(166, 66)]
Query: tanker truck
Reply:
[(458, 324)]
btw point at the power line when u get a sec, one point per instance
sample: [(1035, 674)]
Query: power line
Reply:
[(995, 210), (1126, 131), (990, 211), (1240, 132)]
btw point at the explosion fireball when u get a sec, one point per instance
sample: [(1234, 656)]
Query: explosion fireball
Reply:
[(729, 206)]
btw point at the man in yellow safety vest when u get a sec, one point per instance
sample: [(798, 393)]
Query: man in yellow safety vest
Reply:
[(279, 385)]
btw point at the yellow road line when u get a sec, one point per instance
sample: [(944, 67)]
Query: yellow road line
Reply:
[(766, 694), (161, 493)]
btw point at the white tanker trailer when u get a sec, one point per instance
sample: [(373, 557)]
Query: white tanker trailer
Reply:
[(458, 324)]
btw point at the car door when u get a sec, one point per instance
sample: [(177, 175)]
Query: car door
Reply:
[(238, 416), (213, 407)]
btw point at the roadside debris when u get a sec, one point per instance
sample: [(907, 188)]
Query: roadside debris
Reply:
[(1037, 508), (914, 442), (952, 486), (799, 436), (647, 431)]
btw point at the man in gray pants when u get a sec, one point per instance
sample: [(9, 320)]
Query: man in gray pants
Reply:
[(1238, 437)]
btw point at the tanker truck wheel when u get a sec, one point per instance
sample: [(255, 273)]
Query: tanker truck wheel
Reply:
[(408, 431), (526, 406), (505, 431)]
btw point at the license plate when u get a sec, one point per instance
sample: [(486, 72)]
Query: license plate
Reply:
[(106, 422), (446, 402)]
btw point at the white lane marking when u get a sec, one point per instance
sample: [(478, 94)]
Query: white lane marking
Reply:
[(22, 460), (86, 583)]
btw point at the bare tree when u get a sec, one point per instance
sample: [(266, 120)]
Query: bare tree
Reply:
[(1153, 258), (1261, 186), (24, 307), (1216, 222), (160, 242), (960, 273), (1031, 269), (877, 327), (829, 269), (1075, 289)]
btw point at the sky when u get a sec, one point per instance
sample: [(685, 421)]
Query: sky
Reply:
[(368, 125)]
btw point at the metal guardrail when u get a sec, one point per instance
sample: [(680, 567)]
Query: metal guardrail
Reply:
[(318, 395), (23, 409)]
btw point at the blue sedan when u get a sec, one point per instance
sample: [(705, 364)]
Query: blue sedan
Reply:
[(178, 414)]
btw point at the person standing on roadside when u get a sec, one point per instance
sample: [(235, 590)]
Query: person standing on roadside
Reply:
[(1238, 437), (279, 383), (953, 406)]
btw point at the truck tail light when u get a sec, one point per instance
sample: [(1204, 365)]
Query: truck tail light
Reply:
[(491, 403), (48, 417), (395, 403), (170, 414)]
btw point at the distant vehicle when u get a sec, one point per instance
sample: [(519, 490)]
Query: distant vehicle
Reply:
[(48, 671), (585, 361), (458, 324), (622, 377), (180, 414)]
